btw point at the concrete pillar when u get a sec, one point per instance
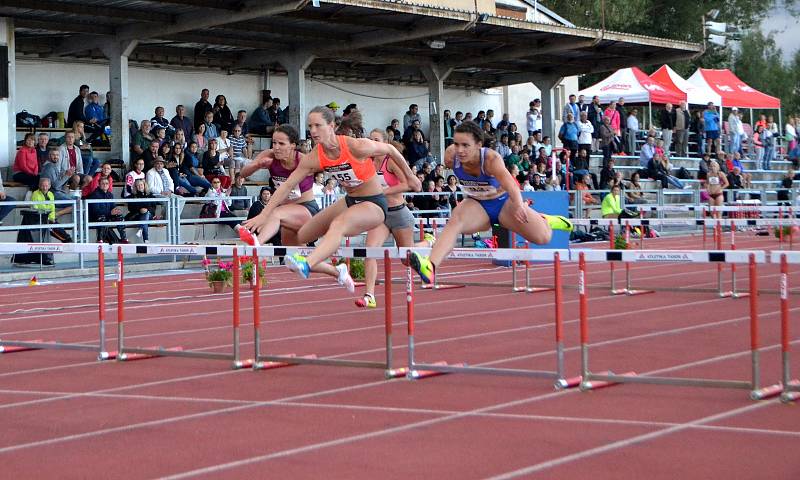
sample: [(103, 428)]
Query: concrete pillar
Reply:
[(436, 76), (8, 135), (546, 86), (295, 66), (117, 54)]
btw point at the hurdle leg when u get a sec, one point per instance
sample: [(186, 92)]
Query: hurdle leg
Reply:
[(102, 353), (120, 302), (584, 318), (561, 381), (237, 361), (387, 291), (256, 309), (754, 340)]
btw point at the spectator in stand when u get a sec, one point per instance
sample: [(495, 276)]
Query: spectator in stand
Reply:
[(159, 120), (502, 148), (409, 132), (632, 124), (75, 111), (411, 115), (71, 160), (329, 193), (151, 154), (697, 128), (615, 120), (568, 134), (647, 153), (105, 172), (142, 211), (90, 164), (260, 121), (659, 169), (223, 117), (130, 179), (451, 189), (735, 161), (488, 135), (192, 171), (582, 185), (711, 125), (607, 138), (633, 192), (241, 122), (179, 139), (42, 150), (513, 134), (239, 148), (211, 128), (715, 184), (212, 165), (794, 156), (393, 131), (660, 148), (416, 151), (174, 158), (758, 145), (94, 117), (200, 138), (680, 130), (201, 107), (142, 139), (784, 195), (586, 131), (490, 118), (26, 163), (448, 126), (503, 125), (468, 116), (734, 127), (58, 179), (263, 199), (180, 122), (106, 212), (239, 190), (317, 188), (275, 112), (5, 202), (159, 181), (622, 115), (480, 119), (43, 194), (580, 166), (514, 159), (612, 205), (222, 204), (791, 133), (735, 182), (607, 175), (533, 118), (768, 141), (571, 107), (515, 174), (595, 112), (667, 120), (762, 121)]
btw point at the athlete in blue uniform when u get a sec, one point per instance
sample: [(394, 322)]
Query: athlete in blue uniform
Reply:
[(493, 197)]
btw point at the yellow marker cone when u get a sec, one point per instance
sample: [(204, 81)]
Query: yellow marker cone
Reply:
[(33, 281)]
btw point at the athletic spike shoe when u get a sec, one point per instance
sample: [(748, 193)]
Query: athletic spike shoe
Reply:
[(430, 238), (297, 263), (557, 222), (367, 301), (344, 278), (247, 236), (423, 267)]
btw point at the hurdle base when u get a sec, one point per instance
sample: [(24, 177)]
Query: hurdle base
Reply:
[(792, 392), (13, 349), (632, 293), (396, 373), (539, 289), (132, 357), (272, 364), (598, 384), (619, 291), (767, 392), (734, 294), (565, 383), (239, 364), (448, 286), (413, 374), (102, 356)]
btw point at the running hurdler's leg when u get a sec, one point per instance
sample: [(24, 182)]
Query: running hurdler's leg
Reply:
[(375, 238), (468, 217), (539, 227)]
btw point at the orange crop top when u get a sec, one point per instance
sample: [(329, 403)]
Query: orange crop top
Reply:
[(348, 171)]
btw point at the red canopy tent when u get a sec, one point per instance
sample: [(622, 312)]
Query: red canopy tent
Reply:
[(734, 92)]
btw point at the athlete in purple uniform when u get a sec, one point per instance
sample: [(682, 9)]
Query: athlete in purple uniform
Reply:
[(493, 197)]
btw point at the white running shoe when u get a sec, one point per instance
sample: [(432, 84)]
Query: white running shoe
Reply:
[(344, 278), (139, 233)]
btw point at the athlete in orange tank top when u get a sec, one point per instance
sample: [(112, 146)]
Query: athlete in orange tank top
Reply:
[(347, 170)]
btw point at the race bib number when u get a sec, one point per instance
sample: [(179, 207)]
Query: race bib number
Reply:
[(479, 190), (713, 180), (294, 193), (344, 175)]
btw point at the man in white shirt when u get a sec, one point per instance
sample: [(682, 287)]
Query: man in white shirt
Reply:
[(533, 119), (586, 130), (158, 179), (648, 152), (736, 131)]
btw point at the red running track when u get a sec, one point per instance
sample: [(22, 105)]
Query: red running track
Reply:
[(65, 415)]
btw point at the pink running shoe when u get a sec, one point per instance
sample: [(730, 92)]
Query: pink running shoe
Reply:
[(247, 236)]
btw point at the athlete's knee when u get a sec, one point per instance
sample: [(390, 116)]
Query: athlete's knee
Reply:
[(542, 236)]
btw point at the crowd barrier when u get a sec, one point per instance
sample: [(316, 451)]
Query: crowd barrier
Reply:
[(587, 379)]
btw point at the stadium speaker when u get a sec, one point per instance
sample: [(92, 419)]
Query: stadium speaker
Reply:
[(3, 71)]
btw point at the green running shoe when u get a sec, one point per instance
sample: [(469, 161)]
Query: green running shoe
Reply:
[(423, 266), (557, 222)]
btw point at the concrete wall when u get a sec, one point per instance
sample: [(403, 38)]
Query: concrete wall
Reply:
[(7, 117)]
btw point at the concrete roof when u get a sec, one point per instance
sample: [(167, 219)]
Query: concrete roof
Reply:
[(351, 40)]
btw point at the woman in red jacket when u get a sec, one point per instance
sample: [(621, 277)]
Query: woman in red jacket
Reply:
[(26, 164)]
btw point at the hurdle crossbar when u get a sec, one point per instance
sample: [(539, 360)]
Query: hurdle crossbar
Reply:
[(99, 249), (689, 222), (418, 369), (264, 360), (751, 258)]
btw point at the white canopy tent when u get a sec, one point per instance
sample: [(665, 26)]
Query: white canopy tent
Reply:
[(697, 94)]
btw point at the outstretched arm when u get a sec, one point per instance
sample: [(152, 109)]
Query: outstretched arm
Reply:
[(263, 160)]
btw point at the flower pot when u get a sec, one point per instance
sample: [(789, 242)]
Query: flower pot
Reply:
[(218, 287)]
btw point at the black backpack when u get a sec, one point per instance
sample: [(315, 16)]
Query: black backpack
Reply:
[(28, 120)]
